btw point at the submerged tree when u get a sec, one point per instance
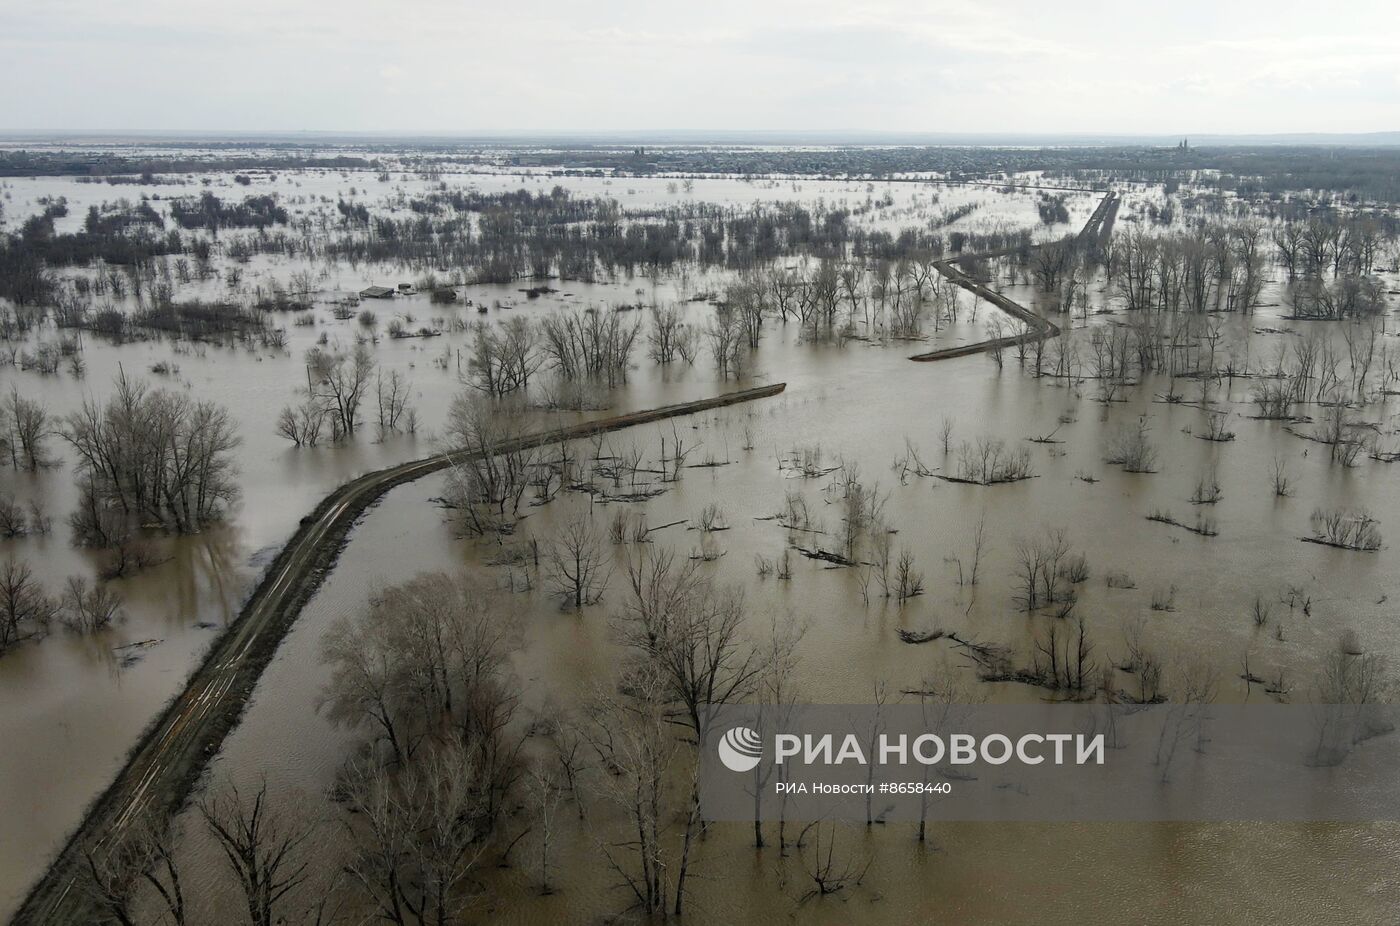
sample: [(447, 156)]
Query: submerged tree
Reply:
[(590, 343), (503, 357), (150, 456), (491, 462), (417, 835), (689, 653), (423, 668), (424, 657), (268, 850), (27, 423), (89, 609), (117, 875), (25, 608), (578, 568), (633, 739), (340, 380)]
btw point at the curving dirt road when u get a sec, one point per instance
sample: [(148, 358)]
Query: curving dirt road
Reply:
[(167, 761)]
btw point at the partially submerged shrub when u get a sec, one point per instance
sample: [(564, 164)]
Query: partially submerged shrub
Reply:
[(1346, 528)]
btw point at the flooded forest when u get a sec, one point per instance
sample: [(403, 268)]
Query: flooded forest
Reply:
[(375, 521)]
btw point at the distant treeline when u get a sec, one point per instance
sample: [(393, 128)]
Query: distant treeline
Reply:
[(1350, 174), (506, 236), (1347, 174), (124, 237), (24, 163), (955, 163), (497, 237), (120, 234)]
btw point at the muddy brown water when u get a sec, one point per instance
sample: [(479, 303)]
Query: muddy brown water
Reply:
[(1168, 873), (72, 708)]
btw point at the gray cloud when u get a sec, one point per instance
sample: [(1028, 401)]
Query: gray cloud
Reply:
[(882, 65)]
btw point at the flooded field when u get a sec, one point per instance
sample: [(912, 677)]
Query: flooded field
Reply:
[(986, 873), (1198, 558)]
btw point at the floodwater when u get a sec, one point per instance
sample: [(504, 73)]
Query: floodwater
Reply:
[(72, 708)]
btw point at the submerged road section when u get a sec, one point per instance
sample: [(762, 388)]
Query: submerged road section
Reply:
[(1037, 328), (167, 762)]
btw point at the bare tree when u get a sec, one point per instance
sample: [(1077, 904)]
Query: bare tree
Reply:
[(1185, 715), (979, 538), (340, 379), (632, 736), (25, 609), (545, 796), (114, 873), (1131, 449), (746, 299), (267, 849), (668, 330), (828, 872), (29, 428), (1349, 684), (87, 610), (693, 634), (909, 582), (503, 358), (392, 393), (1281, 482), (777, 691), (154, 456), (725, 335), (578, 568), (418, 835), (1288, 239), (943, 705), (491, 463), (590, 343), (1052, 261), (14, 520), (690, 654), (423, 658), (1346, 529), (1063, 658), (1038, 571), (302, 425)]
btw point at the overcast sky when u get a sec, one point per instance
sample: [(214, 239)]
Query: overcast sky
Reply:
[(1223, 66)]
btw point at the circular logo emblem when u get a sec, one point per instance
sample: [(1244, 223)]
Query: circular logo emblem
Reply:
[(741, 749)]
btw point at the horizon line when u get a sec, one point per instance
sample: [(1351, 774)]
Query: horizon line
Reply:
[(717, 136)]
